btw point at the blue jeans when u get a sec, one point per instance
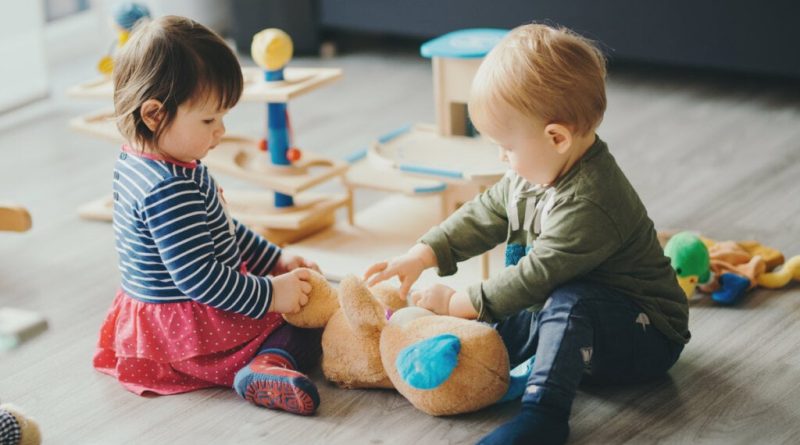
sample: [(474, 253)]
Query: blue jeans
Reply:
[(585, 332)]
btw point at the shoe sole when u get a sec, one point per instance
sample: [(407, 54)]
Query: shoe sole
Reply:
[(280, 394)]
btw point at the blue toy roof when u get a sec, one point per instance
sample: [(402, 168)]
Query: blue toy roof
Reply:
[(463, 44)]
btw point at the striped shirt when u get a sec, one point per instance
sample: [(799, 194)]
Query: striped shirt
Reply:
[(177, 243)]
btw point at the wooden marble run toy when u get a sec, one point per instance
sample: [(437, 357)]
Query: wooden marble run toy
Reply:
[(450, 153), (274, 162), (271, 50), (431, 170), (126, 16)]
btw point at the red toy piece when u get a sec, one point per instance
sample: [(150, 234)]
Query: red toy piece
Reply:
[(293, 154)]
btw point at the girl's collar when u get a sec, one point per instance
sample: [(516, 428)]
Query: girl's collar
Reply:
[(155, 157)]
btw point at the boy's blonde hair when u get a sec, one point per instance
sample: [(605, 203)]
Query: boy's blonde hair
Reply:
[(173, 60), (549, 74)]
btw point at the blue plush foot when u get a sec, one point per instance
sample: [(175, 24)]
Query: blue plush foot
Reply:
[(732, 289), (535, 424)]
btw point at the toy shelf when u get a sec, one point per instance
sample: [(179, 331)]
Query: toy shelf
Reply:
[(298, 81)]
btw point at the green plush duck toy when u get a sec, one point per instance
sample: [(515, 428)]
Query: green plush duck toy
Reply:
[(689, 256)]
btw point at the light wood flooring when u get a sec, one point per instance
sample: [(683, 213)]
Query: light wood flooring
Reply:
[(713, 153)]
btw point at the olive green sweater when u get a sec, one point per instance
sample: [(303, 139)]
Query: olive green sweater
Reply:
[(589, 225)]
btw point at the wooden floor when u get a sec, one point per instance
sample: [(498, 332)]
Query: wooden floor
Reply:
[(716, 154)]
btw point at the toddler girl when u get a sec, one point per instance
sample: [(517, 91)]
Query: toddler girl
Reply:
[(196, 308)]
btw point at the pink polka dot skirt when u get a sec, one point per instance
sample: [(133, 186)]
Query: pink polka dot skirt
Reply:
[(170, 348)]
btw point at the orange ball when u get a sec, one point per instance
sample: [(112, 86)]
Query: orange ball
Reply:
[(293, 154), (262, 145)]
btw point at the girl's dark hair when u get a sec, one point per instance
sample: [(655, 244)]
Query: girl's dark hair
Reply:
[(173, 60)]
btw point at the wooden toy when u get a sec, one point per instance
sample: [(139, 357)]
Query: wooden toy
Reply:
[(455, 163), (456, 57), (18, 326), (466, 165), (281, 166), (14, 218), (448, 152), (296, 82), (273, 162), (126, 15)]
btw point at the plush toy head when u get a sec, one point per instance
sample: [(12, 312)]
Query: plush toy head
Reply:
[(689, 257)]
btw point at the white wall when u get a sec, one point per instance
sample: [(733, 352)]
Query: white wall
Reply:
[(23, 77)]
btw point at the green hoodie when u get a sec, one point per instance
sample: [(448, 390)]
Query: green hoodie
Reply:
[(589, 225)]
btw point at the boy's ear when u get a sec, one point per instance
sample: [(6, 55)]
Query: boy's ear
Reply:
[(152, 112), (560, 137)]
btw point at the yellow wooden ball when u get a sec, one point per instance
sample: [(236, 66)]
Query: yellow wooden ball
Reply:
[(271, 49)]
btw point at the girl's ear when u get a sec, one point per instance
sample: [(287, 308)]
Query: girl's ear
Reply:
[(559, 136), (152, 112)]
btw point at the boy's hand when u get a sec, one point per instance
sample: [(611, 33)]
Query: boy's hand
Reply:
[(435, 298), (407, 267), (290, 291), (288, 262)]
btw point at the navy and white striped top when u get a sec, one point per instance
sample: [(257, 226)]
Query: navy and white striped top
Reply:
[(177, 243)]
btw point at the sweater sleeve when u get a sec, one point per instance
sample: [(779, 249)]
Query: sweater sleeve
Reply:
[(476, 227), (576, 237), (175, 214), (259, 254)]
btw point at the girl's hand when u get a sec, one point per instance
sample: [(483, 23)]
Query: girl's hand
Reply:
[(290, 291), (407, 268), (435, 298), (288, 262)]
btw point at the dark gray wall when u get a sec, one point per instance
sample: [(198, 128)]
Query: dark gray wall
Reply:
[(750, 36)]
